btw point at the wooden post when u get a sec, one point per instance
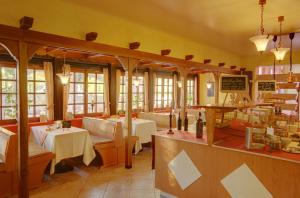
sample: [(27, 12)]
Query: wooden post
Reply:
[(183, 92), (23, 120), (210, 124), (112, 90), (151, 89), (217, 87), (129, 65)]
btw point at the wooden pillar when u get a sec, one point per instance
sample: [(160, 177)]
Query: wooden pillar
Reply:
[(217, 87), (58, 89), (151, 89), (183, 92), (129, 64), (112, 90), (210, 124), (23, 120), (198, 89)]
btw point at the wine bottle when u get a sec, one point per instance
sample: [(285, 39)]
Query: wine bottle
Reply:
[(186, 122), (199, 127), (179, 122)]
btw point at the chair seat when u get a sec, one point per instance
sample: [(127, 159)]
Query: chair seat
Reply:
[(97, 139), (35, 150)]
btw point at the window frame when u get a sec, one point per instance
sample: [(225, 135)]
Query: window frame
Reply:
[(169, 91)]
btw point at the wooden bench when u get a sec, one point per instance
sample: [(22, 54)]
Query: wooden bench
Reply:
[(8, 162), (108, 140)]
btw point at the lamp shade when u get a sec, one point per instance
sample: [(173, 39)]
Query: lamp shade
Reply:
[(280, 52), (261, 42), (179, 84), (209, 85), (64, 78)]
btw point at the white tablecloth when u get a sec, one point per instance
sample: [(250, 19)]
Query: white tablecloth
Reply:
[(65, 143), (141, 128)]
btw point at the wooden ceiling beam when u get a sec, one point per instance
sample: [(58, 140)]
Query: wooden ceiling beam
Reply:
[(46, 39), (189, 57), (221, 64), (233, 67), (134, 45), (91, 36), (207, 61), (26, 23), (165, 52)]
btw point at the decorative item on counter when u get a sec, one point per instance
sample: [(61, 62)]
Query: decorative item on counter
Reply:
[(274, 142), (186, 122), (255, 138), (199, 127), (66, 124), (179, 122), (170, 122)]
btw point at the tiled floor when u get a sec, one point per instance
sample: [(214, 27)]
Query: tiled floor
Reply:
[(92, 182)]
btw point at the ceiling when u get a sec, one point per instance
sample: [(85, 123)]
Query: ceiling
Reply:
[(226, 24)]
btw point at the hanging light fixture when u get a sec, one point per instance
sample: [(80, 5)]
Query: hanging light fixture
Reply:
[(274, 62), (64, 76), (136, 80), (261, 41), (209, 83), (280, 51), (291, 77), (179, 84)]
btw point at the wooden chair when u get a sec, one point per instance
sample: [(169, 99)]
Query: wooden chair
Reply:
[(8, 162)]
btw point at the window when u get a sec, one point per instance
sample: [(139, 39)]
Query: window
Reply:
[(95, 93), (122, 96), (190, 92), (137, 93), (37, 98), (8, 97), (163, 92), (76, 93)]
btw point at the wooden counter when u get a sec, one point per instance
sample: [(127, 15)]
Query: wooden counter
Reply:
[(280, 176)]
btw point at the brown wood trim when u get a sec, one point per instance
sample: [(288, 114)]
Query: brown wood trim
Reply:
[(12, 33)]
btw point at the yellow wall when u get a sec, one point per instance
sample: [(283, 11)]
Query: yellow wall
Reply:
[(67, 19)]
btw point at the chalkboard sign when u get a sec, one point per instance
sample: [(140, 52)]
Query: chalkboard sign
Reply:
[(266, 86), (234, 83)]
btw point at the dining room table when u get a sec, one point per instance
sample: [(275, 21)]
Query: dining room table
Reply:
[(64, 143), (141, 128)]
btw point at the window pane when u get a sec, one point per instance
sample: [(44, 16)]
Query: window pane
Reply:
[(72, 77), (9, 73), (100, 98), (8, 113), (79, 109), (8, 86), (79, 77), (91, 78), (71, 88), (91, 98), (9, 100), (30, 99), (30, 87), (29, 74), (79, 98), (40, 75), (30, 111), (79, 88), (40, 87), (100, 88), (100, 108), (100, 78), (159, 81), (71, 108), (40, 110), (40, 99), (91, 88), (71, 99)]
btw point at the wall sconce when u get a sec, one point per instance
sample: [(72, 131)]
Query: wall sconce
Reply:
[(179, 84)]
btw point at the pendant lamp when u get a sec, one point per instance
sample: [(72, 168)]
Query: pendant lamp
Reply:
[(64, 76), (280, 51), (261, 41), (291, 77), (274, 62)]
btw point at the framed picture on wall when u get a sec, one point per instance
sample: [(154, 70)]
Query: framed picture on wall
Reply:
[(210, 89)]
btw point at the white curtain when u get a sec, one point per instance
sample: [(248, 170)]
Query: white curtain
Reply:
[(195, 90), (118, 82), (49, 86), (175, 91), (154, 84), (106, 92), (146, 91), (67, 70)]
